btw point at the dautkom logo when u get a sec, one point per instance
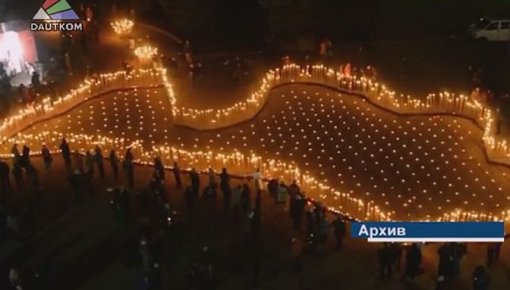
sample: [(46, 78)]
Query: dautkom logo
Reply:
[(56, 15)]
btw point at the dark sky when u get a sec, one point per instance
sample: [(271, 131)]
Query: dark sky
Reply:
[(248, 22)]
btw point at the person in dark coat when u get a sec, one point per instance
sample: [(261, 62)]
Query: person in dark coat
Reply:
[(99, 160), (256, 221), (47, 158), (125, 200), (245, 198), (445, 266), (157, 186), (66, 152), (224, 179), (258, 198), (129, 167), (129, 155), (189, 197), (225, 188), (396, 250), (25, 156), (227, 196), (89, 164), (177, 175), (114, 163), (293, 190), (195, 182), (480, 278), (236, 201), (204, 269), (459, 250), (155, 183), (384, 258), (4, 176), (16, 156), (17, 172), (159, 167), (497, 251), (445, 271), (299, 210), (319, 213), (35, 80), (310, 222), (78, 161), (340, 230), (493, 250), (213, 184), (272, 187), (76, 181), (33, 175), (115, 202), (413, 262)]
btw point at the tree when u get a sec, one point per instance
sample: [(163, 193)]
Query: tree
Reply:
[(214, 23), (334, 19), (288, 19), (188, 16)]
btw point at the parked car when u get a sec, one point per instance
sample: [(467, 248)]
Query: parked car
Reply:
[(491, 30)]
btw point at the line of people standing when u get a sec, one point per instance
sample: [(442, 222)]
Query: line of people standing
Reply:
[(22, 168), (75, 163)]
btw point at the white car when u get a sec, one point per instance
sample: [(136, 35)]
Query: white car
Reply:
[(491, 30)]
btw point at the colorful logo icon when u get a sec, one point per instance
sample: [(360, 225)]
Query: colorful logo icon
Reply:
[(56, 10), (56, 15)]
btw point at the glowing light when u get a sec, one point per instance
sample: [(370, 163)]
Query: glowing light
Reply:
[(146, 52), (11, 52), (209, 118), (122, 26)]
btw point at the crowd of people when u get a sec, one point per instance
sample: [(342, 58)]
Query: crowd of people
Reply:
[(312, 216), (450, 256), (62, 62), (311, 221), (237, 199)]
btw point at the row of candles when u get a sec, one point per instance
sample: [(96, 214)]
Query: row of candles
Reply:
[(239, 164), (236, 162), (122, 27), (242, 111), (460, 216), (461, 105), (375, 92), (49, 106), (144, 51), (106, 79), (173, 101), (441, 103)]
